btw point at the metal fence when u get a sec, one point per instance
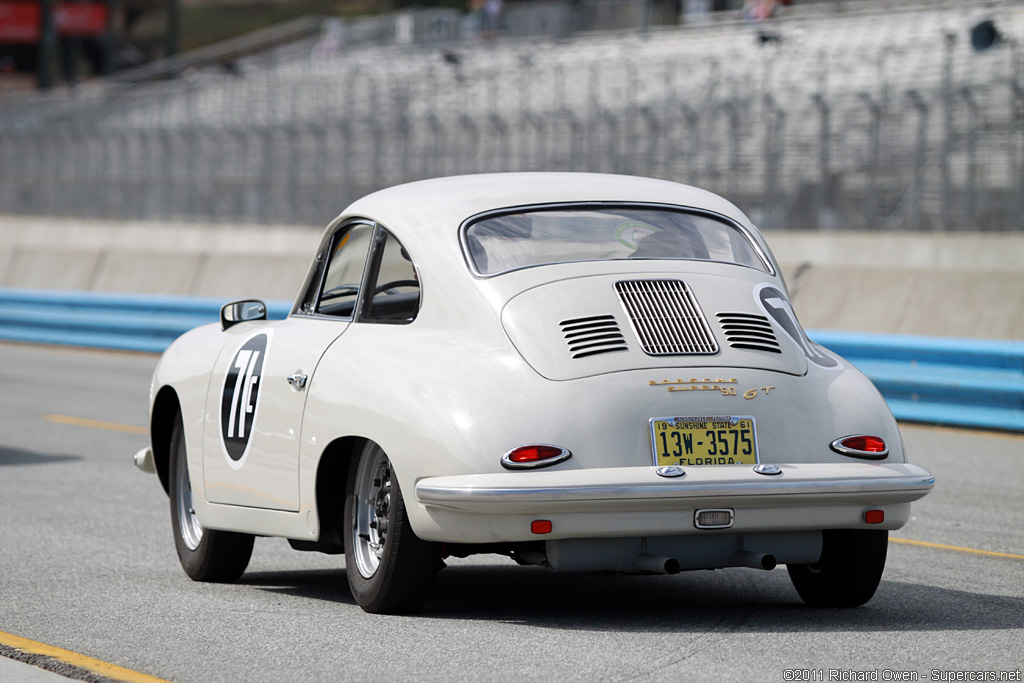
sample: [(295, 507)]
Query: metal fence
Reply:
[(800, 135)]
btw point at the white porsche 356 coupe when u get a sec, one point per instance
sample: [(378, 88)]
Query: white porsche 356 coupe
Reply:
[(583, 372)]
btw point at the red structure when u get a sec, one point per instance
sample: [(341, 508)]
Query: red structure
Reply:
[(20, 22)]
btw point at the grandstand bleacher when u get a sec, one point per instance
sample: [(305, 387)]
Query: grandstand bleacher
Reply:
[(880, 116)]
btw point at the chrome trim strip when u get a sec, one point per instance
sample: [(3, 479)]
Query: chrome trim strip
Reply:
[(839, 448), (680, 488), (536, 465)]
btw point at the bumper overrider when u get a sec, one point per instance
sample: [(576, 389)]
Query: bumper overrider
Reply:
[(636, 501)]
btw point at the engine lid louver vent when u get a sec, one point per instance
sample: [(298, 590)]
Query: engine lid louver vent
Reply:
[(593, 335), (749, 331), (666, 318)]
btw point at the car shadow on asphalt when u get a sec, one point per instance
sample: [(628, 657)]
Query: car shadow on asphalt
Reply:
[(330, 585), (731, 600), (734, 600), (16, 456)]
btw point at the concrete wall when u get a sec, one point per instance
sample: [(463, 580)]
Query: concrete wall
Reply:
[(940, 284), (948, 284), (219, 261)]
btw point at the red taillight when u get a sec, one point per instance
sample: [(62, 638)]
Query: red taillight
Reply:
[(874, 516), (870, 444), (861, 446), (536, 455)]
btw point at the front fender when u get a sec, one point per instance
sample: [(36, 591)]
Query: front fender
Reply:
[(180, 382)]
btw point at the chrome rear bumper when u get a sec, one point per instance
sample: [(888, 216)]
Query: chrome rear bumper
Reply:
[(643, 489)]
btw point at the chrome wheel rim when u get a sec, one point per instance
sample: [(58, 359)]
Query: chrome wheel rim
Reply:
[(372, 503), (190, 528)]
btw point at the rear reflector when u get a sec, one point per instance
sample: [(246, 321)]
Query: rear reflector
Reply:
[(861, 446), (531, 457), (540, 526), (874, 516)]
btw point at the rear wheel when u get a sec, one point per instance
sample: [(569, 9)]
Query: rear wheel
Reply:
[(848, 573), (205, 554), (390, 570)]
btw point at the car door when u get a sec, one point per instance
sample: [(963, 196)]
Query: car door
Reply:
[(257, 391)]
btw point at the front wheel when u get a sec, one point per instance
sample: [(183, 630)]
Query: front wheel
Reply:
[(390, 570), (848, 573), (205, 554)]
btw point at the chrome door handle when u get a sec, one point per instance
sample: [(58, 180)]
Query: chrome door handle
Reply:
[(297, 381)]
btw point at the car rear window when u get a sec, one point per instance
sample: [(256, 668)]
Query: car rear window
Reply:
[(501, 243)]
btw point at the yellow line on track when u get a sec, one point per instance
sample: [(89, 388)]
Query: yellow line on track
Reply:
[(940, 546), (96, 424), (95, 666)]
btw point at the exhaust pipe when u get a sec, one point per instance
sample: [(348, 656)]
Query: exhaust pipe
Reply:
[(747, 558), (656, 564)]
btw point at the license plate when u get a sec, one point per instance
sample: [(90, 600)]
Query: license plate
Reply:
[(708, 440)]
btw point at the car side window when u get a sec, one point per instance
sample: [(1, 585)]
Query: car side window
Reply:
[(345, 266), (394, 294)]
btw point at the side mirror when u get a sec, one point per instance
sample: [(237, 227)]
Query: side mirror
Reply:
[(242, 311)]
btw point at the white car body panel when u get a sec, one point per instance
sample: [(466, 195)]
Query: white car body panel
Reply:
[(268, 477), (532, 321), (483, 369)]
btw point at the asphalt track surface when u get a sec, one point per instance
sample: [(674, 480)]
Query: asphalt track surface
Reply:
[(87, 564)]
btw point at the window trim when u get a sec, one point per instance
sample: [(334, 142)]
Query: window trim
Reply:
[(319, 274), (371, 270), (769, 267), (377, 245)]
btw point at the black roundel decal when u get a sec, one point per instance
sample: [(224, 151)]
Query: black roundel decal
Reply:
[(774, 303), (240, 395)]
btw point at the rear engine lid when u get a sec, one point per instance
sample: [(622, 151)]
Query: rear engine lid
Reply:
[(610, 323)]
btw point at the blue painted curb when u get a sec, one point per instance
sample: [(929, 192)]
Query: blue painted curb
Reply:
[(967, 382)]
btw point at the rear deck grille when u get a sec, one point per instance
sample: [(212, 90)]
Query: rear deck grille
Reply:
[(666, 317), (593, 335), (749, 331)]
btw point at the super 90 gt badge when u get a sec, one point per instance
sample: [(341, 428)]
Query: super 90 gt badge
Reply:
[(239, 398)]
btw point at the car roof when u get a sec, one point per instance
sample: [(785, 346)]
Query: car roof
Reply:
[(426, 215), (442, 204)]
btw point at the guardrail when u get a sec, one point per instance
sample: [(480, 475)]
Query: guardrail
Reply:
[(110, 321), (970, 382), (967, 382)]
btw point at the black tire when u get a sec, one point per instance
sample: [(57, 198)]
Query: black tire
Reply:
[(390, 570), (205, 554), (848, 573)]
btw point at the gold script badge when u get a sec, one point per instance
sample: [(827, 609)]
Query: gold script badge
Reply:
[(718, 384)]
